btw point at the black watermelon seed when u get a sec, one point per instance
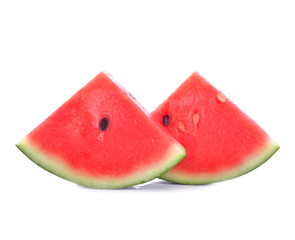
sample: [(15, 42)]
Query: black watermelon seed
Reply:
[(166, 120), (103, 124)]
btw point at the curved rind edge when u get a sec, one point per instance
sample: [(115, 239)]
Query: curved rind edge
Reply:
[(251, 163), (174, 155)]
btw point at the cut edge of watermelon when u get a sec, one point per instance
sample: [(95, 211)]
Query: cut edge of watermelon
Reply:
[(173, 156), (250, 163)]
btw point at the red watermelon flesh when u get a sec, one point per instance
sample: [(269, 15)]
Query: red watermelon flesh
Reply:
[(221, 141), (102, 138)]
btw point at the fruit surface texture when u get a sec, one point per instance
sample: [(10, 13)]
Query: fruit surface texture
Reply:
[(102, 138), (221, 141)]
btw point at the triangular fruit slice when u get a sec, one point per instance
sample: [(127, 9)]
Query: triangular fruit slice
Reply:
[(102, 138), (221, 141)]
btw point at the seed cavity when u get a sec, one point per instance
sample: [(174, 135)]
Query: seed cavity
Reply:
[(181, 126), (196, 119), (221, 97), (166, 120), (100, 137), (103, 124)]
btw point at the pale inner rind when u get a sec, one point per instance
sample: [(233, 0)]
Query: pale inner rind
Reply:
[(249, 163), (58, 167)]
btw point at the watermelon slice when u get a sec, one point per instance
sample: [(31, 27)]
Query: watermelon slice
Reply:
[(221, 141), (102, 138)]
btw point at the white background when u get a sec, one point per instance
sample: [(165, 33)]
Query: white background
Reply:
[(50, 49)]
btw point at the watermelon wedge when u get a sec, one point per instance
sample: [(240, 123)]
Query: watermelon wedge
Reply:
[(102, 138), (221, 141)]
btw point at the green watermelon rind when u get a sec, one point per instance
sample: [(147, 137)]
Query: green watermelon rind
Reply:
[(56, 166), (250, 163)]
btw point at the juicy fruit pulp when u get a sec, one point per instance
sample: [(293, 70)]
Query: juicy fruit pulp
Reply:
[(101, 138), (221, 141)]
